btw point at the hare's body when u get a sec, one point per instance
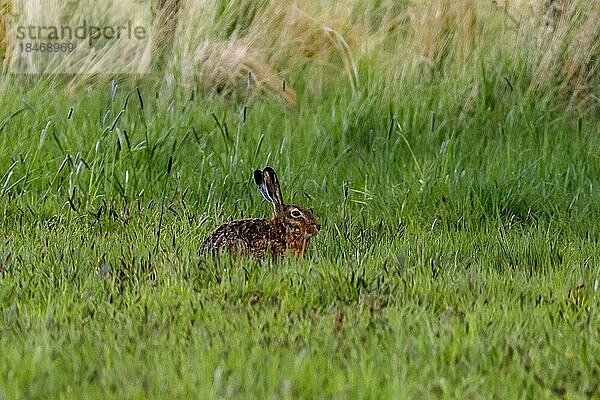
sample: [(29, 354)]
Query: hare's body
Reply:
[(257, 236), (289, 229)]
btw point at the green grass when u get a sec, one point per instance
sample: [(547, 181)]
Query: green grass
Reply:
[(458, 256)]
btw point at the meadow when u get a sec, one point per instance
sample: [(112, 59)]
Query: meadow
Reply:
[(450, 149)]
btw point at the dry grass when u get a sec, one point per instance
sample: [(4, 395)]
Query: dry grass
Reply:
[(280, 40), (569, 49), (218, 45), (4, 14)]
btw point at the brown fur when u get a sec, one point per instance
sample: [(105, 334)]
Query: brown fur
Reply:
[(289, 229)]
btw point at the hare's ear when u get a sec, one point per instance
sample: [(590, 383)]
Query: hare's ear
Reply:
[(260, 182), (272, 183)]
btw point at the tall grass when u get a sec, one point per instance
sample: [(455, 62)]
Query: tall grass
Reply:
[(225, 47), (4, 13)]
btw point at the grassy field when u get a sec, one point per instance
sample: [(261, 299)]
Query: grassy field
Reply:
[(451, 151)]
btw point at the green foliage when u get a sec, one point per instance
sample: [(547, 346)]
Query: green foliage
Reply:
[(458, 256)]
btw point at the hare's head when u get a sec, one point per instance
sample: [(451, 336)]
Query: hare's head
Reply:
[(295, 218)]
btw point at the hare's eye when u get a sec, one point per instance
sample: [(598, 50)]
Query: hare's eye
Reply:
[(296, 213)]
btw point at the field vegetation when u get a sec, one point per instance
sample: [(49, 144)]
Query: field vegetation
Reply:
[(451, 150)]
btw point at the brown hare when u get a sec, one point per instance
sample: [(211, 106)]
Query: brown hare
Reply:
[(289, 229)]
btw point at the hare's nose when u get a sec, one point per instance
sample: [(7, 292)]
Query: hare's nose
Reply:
[(318, 226)]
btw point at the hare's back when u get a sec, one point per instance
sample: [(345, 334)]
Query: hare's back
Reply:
[(253, 236)]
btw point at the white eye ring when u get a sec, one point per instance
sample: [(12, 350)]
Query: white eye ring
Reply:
[(296, 213)]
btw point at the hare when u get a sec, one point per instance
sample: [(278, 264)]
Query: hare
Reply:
[(289, 229)]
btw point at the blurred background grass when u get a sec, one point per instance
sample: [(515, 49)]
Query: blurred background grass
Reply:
[(548, 48)]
